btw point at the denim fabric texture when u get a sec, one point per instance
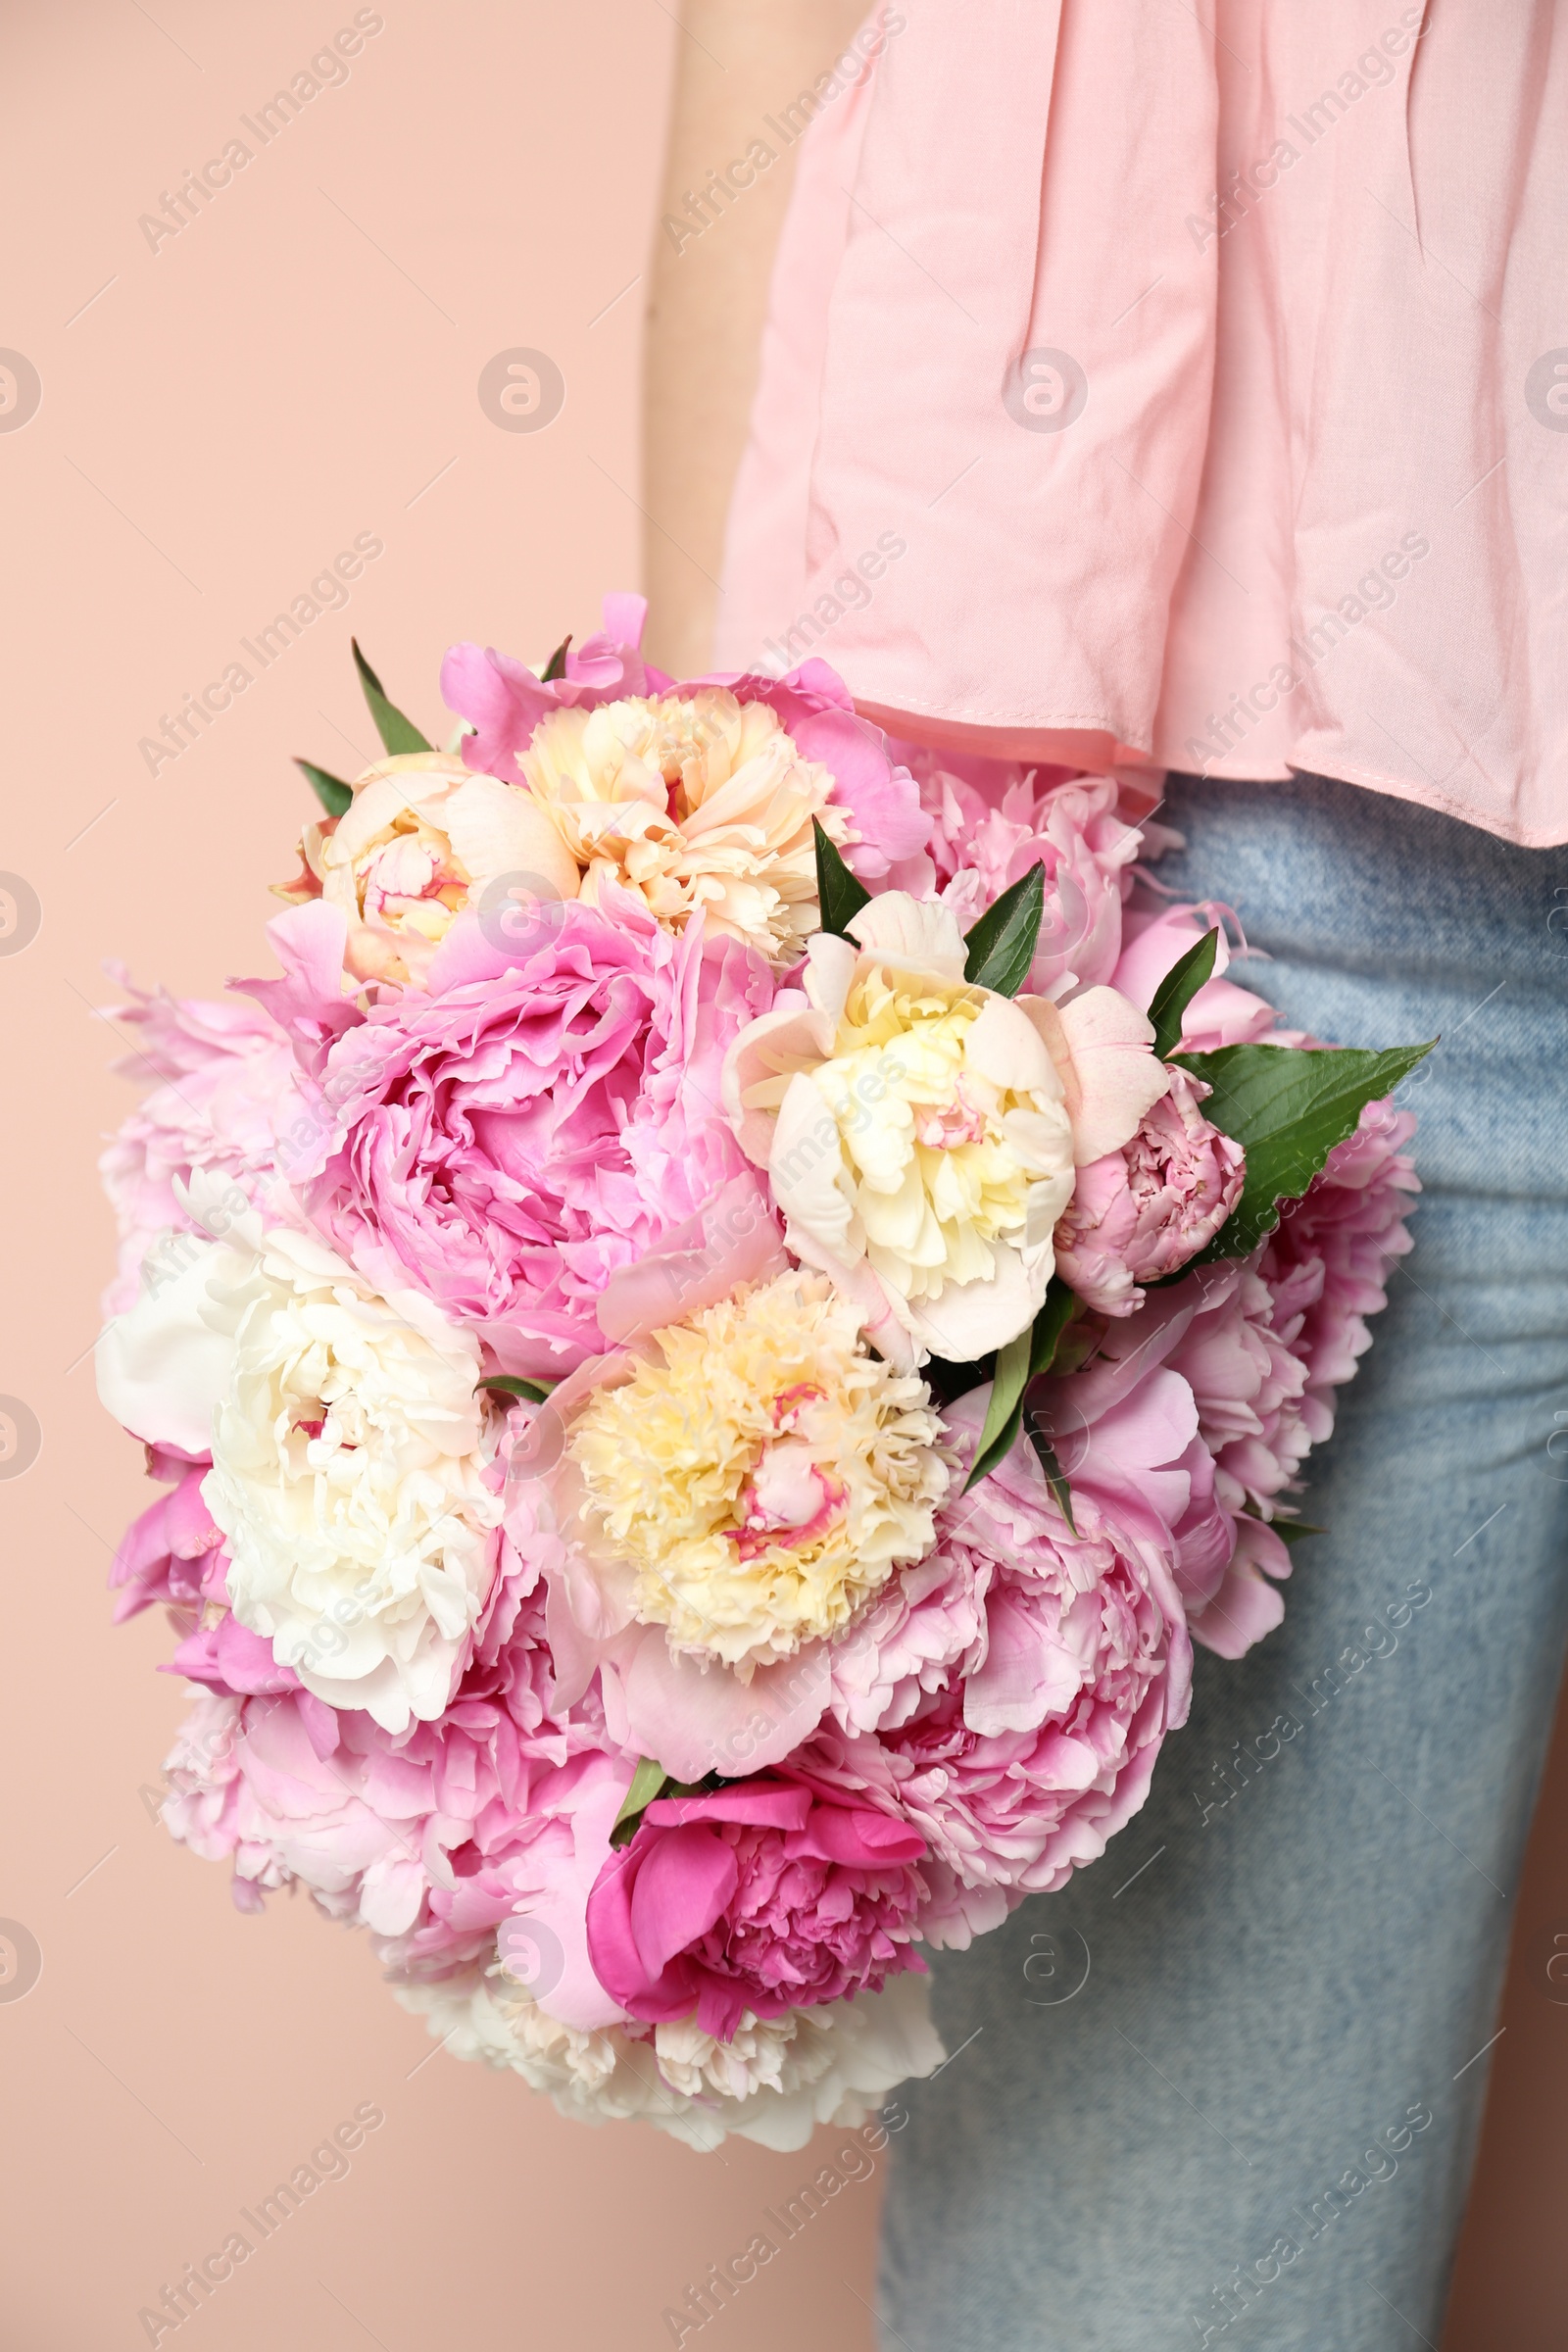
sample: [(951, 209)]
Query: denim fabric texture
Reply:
[(1224, 2089)]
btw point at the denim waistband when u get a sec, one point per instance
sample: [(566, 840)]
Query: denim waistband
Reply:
[(1372, 922), (1325, 871)]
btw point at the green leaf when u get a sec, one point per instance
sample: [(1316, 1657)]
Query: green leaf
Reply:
[(1287, 1107), (398, 734), (1055, 1477), (837, 893), (1004, 1411), (1002, 944), (1022, 1360), (650, 1779), (336, 796), (556, 666), (947, 1382), (1177, 990), (536, 1390), (1289, 1531), (646, 1783)]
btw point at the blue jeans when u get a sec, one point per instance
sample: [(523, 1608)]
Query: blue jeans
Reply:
[(1251, 2121)]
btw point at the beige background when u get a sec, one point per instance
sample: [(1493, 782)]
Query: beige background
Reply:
[(219, 418)]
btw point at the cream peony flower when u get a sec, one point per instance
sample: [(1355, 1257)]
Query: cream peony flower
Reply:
[(758, 1484), (920, 1134), (915, 1134), (352, 1459), (691, 801), (774, 2083), (420, 842)]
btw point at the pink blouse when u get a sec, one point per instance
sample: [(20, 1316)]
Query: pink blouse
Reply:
[(1145, 393)]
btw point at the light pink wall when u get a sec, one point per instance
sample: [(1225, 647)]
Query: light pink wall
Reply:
[(223, 419)]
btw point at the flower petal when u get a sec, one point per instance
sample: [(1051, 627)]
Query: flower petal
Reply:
[(680, 1890), (910, 931)]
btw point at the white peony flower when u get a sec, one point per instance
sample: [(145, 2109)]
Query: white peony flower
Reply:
[(349, 1451), (915, 1134), (921, 1134), (774, 2083)]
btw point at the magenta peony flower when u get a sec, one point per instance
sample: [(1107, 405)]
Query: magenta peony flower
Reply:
[(225, 1073), (992, 823), (766, 1896), (1142, 1212), (1012, 1696), (539, 1120)]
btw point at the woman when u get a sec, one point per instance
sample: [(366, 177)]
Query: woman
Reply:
[(1188, 401)]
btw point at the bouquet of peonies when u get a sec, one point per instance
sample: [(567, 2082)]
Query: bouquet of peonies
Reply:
[(711, 1342)]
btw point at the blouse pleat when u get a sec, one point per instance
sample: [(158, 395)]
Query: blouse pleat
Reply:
[(1150, 393)]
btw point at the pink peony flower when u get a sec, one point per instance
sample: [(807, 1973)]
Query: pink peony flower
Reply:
[(1142, 1212), (545, 1116), (228, 1656), (1012, 1697), (1329, 1259), (314, 1001), (1247, 1602), (1246, 1338), (1221, 1014), (1248, 1383), (1266, 1343), (1209, 1340), (1263, 1345), (431, 1837), (766, 1896), (249, 1787), (172, 1552), (1265, 1361), (225, 1075), (987, 833)]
